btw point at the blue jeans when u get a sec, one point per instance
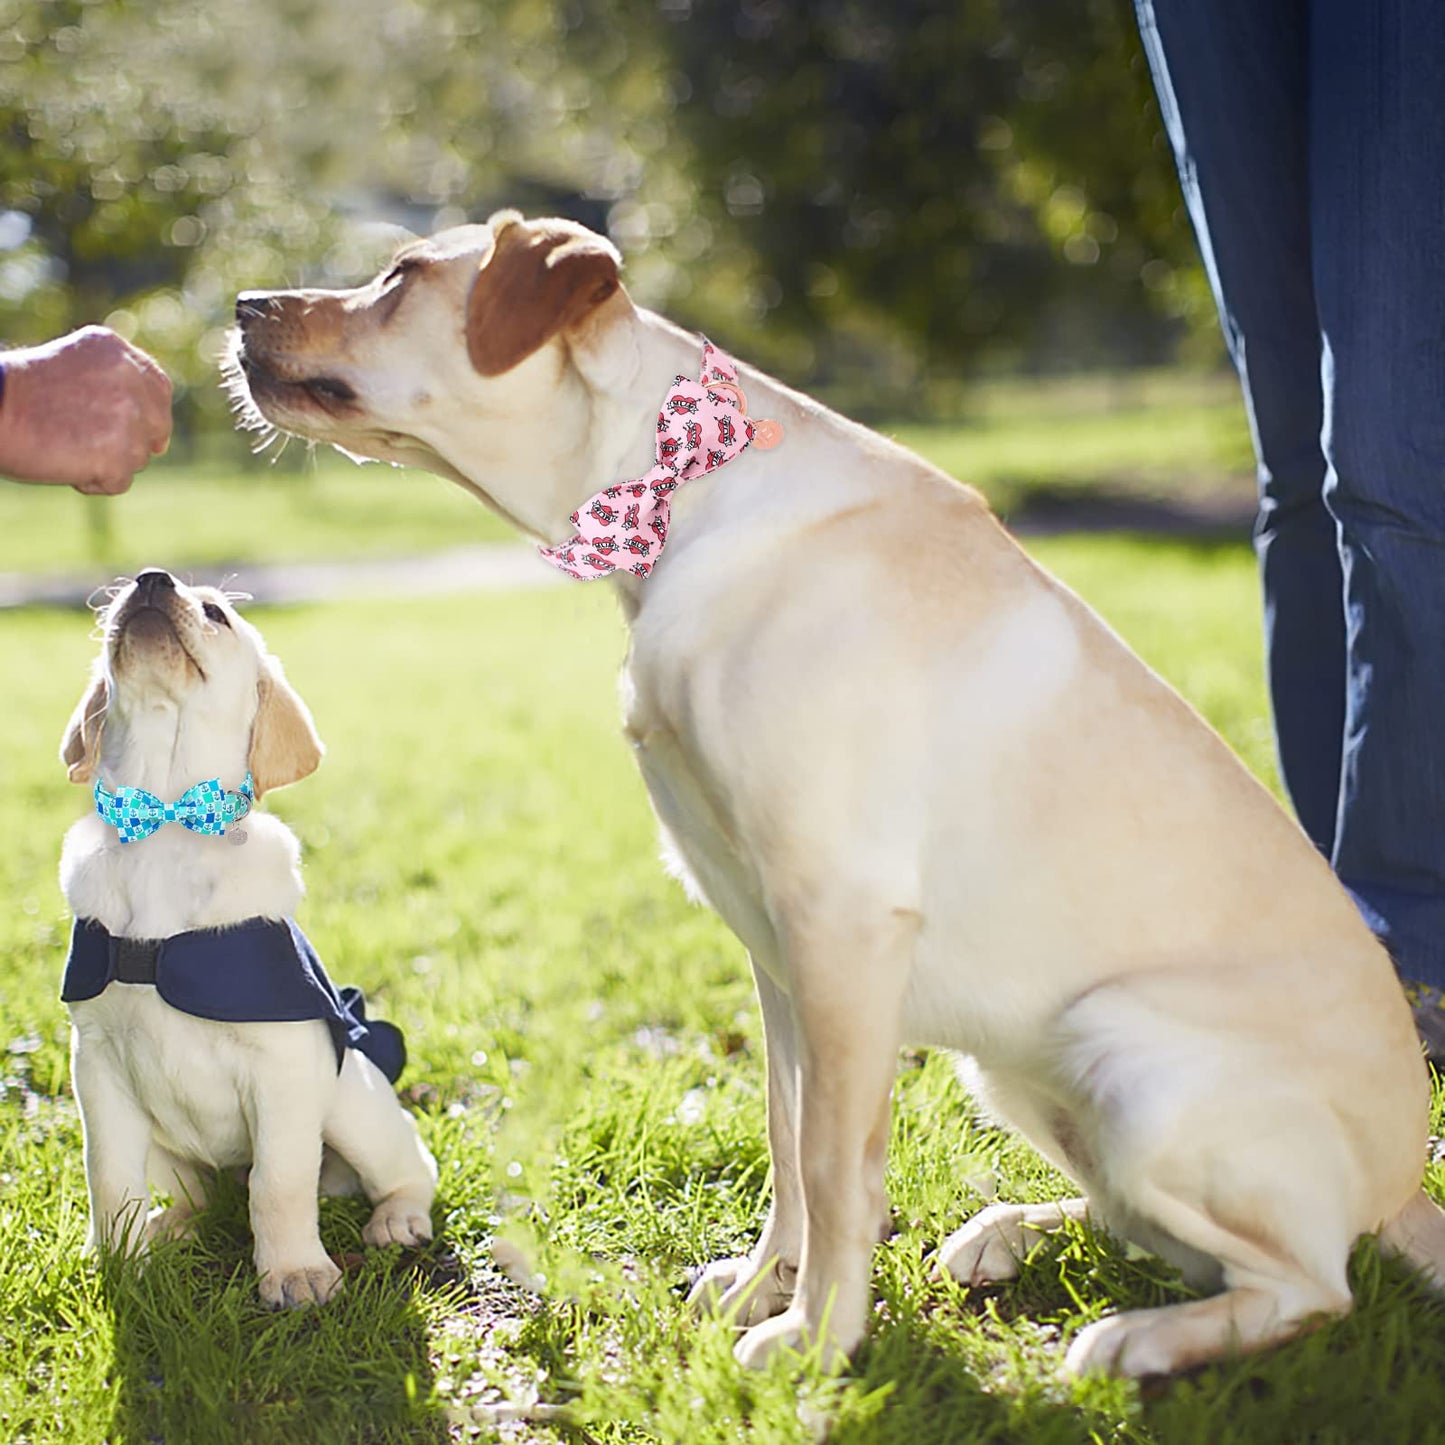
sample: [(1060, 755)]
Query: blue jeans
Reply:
[(1310, 139)]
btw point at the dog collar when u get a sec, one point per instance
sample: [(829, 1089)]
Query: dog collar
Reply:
[(203, 808), (622, 528)]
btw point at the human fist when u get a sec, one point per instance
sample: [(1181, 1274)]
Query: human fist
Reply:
[(87, 410)]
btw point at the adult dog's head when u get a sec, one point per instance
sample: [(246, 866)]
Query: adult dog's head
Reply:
[(184, 689), (472, 355)]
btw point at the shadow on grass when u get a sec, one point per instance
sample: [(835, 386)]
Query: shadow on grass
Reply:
[(198, 1358), (1041, 509), (1373, 1378)]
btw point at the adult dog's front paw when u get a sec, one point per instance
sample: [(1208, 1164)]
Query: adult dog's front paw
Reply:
[(715, 1281), (992, 1245), (291, 1287), (788, 1332), (398, 1220), (739, 1289)]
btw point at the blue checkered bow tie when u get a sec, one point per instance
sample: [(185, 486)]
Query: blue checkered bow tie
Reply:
[(205, 808)]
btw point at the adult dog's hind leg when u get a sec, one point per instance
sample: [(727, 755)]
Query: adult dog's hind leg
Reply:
[(1282, 1273), (1178, 1337), (848, 979), (760, 1284), (1417, 1234)]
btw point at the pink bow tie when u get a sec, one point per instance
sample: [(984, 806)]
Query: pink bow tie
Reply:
[(702, 425)]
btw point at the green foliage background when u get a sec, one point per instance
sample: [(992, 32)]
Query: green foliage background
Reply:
[(874, 198)]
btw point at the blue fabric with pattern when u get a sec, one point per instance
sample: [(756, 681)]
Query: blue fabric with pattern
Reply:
[(203, 808), (260, 971)]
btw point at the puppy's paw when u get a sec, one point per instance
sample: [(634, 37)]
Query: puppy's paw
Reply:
[(788, 1332), (398, 1220), (291, 1287), (992, 1245), (173, 1222)]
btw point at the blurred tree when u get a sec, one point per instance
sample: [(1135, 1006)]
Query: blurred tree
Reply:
[(862, 194), (89, 176), (154, 160), (980, 178)]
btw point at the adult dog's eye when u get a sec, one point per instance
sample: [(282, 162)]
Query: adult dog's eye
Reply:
[(215, 613)]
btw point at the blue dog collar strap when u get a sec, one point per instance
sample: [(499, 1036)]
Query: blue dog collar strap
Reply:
[(260, 971), (203, 808)]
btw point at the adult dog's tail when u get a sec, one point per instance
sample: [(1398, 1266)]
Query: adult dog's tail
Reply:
[(1417, 1234)]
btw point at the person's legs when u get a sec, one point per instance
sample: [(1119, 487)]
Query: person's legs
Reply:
[(1377, 200), (1233, 84)]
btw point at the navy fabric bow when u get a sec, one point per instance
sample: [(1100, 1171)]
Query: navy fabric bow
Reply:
[(203, 808), (259, 971)]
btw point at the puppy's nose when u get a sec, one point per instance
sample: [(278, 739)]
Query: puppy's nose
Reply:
[(251, 305), (152, 578)]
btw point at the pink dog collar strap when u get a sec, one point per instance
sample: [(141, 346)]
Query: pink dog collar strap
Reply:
[(623, 527)]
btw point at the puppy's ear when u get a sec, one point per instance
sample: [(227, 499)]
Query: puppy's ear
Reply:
[(540, 278), (284, 745), (80, 747)]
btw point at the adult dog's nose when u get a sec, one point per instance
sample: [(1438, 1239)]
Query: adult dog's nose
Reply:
[(154, 579), (251, 305)]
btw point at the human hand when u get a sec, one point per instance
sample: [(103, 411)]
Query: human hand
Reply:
[(87, 410)]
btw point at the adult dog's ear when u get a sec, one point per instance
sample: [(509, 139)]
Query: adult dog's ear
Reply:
[(540, 277), (80, 747), (284, 744)]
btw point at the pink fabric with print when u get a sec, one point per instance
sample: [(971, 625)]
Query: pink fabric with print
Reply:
[(623, 527)]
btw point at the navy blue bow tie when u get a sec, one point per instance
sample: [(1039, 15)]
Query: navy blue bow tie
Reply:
[(203, 808)]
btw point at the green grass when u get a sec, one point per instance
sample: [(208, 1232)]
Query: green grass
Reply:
[(220, 512), (587, 1067), (1152, 435)]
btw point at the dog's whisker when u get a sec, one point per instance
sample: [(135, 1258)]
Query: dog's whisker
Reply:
[(246, 414), (105, 593), (267, 435)]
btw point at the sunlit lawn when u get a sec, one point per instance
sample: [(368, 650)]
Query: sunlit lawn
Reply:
[(586, 1060), (231, 511), (1155, 435)]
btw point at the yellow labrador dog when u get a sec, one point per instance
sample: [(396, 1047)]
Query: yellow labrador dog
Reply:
[(937, 799)]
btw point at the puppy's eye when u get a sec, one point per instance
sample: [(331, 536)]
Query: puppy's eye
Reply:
[(215, 613), (398, 271)]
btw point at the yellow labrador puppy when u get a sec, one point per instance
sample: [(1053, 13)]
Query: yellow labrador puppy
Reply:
[(205, 1032), (935, 796)]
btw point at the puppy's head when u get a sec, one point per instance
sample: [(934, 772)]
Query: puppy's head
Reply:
[(184, 689), (454, 359)]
